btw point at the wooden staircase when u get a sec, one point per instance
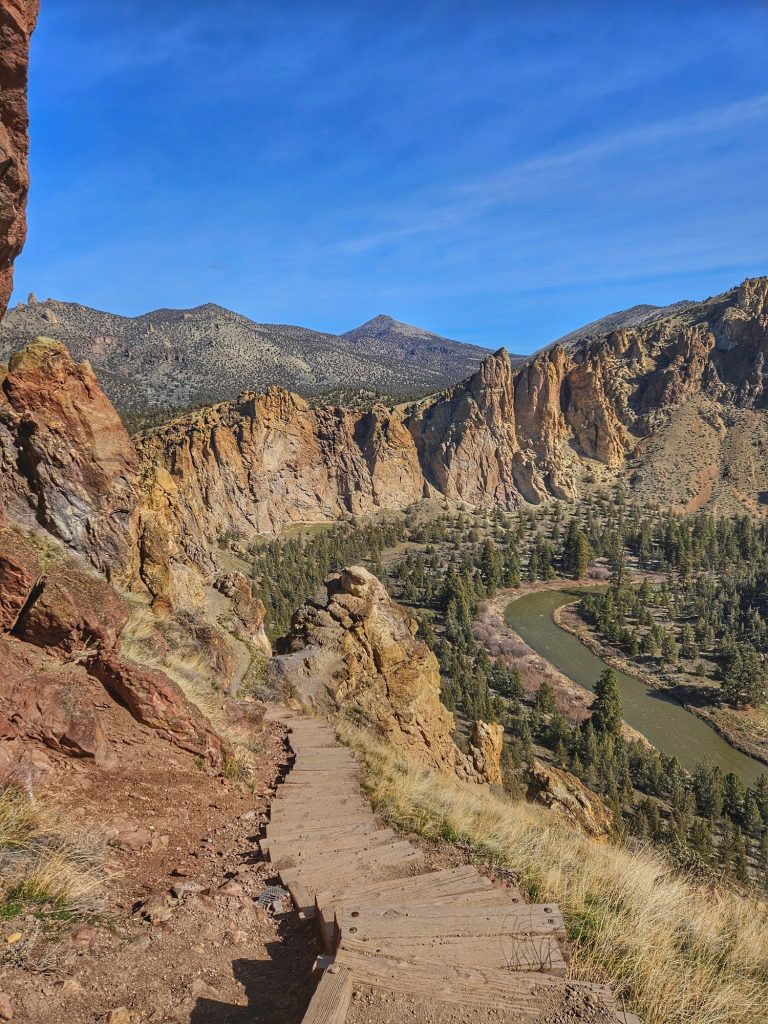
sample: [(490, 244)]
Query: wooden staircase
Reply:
[(449, 936)]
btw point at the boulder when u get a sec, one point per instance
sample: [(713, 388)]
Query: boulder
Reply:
[(44, 700), (75, 612), (250, 611), (156, 701), (485, 747), (570, 799), (359, 653)]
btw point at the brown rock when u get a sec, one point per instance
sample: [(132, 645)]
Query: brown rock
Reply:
[(75, 611), (250, 610), (19, 573), (359, 654), (138, 838), (154, 700), (122, 1015), (485, 747), (570, 799), (64, 451), (44, 700), (17, 21), (83, 935), (6, 1007), (231, 888)]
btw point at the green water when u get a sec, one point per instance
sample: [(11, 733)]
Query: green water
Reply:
[(666, 723)]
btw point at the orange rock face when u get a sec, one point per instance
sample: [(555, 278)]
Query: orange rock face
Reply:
[(17, 20), (359, 653), (19, 572), (66, 456), (255, 465)]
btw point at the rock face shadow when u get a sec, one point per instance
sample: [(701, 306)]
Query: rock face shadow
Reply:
[(277, 990)]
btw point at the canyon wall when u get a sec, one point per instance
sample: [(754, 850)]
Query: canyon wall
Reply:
[(674, 406)]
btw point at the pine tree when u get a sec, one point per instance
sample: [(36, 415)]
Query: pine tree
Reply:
[(607, 709)]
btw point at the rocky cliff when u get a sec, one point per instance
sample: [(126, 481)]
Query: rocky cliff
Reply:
[(255, 465), (65, 457), (17, 21), (357, 653), (60, 649), (674, 404)]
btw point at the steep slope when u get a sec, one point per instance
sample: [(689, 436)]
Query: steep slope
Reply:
[(17, 21), (621, 320), (173, 358)]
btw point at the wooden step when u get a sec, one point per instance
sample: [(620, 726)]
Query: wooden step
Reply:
[(522, 993), (505, 952), (361, 822), (388, 853), (392, 865), (436, 883), (297, 791), (361, 829), (292, 854), (441, 920), (325, 802), (330, 1003)]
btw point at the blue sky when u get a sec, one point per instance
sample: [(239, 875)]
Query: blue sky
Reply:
[(497, 172)]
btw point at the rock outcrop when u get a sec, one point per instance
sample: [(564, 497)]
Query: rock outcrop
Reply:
[(19, 573), (60, 649), (255, 465), (65, 457), (17, 21), (568, 798), (48, 701), (249, 611), (358, 653)]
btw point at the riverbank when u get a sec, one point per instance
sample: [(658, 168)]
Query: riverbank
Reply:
[(491, 629), (746, 731)]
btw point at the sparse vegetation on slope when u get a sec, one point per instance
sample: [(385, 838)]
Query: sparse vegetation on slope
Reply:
[(680, 953), (47, 868), (153, 365)]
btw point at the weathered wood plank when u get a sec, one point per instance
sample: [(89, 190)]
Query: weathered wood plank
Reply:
[(330, 1003), (509, 952), (518, 992), (414, 921)]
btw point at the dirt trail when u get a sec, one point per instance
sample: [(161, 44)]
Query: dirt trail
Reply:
[(173, 946)]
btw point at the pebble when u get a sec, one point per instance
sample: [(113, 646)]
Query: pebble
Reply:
[(187, 888), (120, 1015), (231, 888), (6, 1009), (83, 935)]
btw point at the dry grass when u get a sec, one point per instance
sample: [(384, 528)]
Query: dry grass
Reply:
[(678, 953), (45, 865), (190, 667)]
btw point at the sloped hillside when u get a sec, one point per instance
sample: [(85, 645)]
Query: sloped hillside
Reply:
[(173, 358)]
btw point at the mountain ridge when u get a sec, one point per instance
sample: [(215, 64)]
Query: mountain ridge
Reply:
[(175, 358)]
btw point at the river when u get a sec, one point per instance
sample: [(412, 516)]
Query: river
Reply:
[(664, 721)]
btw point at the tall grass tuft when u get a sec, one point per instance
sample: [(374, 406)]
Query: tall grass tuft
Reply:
[(678, 952), (46, 866)]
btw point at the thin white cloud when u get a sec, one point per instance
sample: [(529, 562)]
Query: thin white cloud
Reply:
[(535, 176)]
